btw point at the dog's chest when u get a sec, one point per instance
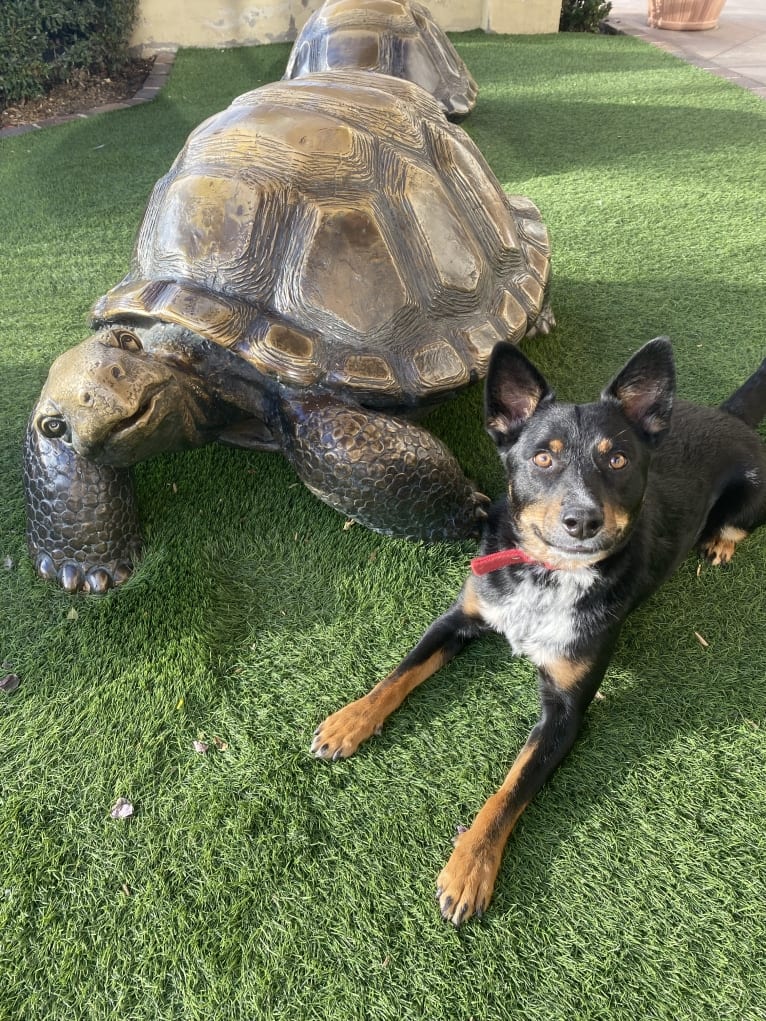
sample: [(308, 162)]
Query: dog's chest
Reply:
[(538, 619)]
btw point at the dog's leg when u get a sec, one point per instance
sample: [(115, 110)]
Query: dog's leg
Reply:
[(341, 734), (465, 885), (739, 511)]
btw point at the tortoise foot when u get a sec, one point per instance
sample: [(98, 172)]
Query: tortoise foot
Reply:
[(544, 323), (73, 576), (386, 473), (82, 525)]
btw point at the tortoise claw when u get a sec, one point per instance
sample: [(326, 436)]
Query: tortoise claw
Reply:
[(45, 567), (98, 581), (71, 577)]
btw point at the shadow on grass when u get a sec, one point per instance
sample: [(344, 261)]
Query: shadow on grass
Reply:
[(607, 135)]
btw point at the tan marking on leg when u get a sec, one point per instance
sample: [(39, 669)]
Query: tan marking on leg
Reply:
[(720, 548), (466, 882), (340, 735), (470, 601), (731, 534), (567, 673)]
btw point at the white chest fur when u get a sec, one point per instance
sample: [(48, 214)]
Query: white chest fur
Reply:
[(539, 620)]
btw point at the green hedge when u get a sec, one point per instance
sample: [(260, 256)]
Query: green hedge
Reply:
[(43, 41), (583, 15)]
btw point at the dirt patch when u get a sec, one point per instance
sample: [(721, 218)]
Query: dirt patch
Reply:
[(83, 93)]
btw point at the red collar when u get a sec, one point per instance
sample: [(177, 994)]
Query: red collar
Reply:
[(505, 558)]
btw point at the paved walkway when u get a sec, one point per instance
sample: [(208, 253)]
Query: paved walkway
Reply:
[(736, 49)]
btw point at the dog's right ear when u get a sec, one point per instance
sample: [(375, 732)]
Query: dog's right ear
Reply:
[(513, 391)]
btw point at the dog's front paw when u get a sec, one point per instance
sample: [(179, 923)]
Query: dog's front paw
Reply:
[(341, 734), (466, 882)]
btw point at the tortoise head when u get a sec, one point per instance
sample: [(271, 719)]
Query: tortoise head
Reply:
[(117, 402)]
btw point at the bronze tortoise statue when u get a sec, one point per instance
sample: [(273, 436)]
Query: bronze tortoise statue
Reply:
[(396, 37), (325, 258)]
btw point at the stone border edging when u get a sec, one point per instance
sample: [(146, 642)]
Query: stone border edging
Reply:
[(155, 80)]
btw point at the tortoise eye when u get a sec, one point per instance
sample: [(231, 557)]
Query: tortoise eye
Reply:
[(543, 459), (53, 427), (617, 461), (127, 340)]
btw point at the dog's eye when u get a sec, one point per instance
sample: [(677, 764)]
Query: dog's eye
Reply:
[(543, 459), (617, 461)]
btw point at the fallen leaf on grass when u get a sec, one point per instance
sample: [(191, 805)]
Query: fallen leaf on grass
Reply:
[(459, 830), (701, 640), (220, 744), (9, 683), (200, 747), (121, 809), (8, 564), (73, 614), (348, 524)]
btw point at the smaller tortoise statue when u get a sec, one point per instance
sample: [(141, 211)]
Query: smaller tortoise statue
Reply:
[(396, 37), (325, 259)]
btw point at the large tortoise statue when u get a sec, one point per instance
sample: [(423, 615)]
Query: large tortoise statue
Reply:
[(324, 259), (396, 37)]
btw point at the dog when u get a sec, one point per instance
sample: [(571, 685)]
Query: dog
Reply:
[(603, 502)]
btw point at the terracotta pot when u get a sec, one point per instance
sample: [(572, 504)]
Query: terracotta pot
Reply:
[(684, 15)]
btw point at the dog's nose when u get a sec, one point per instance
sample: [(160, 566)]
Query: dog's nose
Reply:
[(582, 521)]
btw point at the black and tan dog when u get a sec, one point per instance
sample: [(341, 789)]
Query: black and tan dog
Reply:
[(604, 501)]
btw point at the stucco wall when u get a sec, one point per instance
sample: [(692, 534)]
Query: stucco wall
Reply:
[(167, 24)]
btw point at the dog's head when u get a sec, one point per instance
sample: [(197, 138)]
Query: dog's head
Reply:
[(577, 472)]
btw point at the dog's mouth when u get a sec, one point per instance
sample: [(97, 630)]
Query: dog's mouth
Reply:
[(577, 554)]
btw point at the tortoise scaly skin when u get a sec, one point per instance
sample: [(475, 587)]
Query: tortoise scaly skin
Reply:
[(325, 259)]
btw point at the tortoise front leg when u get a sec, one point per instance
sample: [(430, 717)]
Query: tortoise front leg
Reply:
[(82, 526), (387, 473)]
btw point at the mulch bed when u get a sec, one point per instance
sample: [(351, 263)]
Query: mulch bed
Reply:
[(84, 92)]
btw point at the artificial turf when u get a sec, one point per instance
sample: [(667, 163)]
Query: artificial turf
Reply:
[(254, 882)]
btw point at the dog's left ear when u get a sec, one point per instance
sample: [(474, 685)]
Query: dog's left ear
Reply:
[(645, 388), (513, 391)]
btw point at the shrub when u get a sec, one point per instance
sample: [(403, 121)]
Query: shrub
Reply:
[(583, 15), (43, 41)]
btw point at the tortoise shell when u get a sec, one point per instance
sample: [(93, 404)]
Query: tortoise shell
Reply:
[(396, 37), (337, 232)]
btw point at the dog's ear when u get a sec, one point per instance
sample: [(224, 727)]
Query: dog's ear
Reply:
[(513, 391), (645, 388)]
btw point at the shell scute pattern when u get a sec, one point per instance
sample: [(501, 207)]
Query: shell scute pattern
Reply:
[(395, 37), (338, 231)]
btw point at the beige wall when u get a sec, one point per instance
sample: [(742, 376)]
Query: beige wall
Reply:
[(166, 24)]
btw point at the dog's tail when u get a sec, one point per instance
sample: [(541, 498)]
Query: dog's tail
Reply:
[(749, 402)]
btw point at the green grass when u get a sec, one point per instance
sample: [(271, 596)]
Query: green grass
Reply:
[(260, 883)]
